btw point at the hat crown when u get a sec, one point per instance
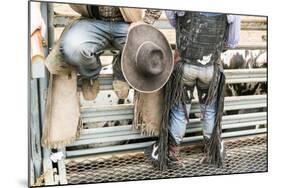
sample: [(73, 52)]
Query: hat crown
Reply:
[(149, 59)]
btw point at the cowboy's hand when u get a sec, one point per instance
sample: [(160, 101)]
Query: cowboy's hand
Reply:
[(176, 56), (37, 21)]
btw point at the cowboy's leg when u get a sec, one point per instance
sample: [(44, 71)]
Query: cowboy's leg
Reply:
[(178, 115), (208, 111), (119, 32), (178, 121), (178, 118), (80, 44)]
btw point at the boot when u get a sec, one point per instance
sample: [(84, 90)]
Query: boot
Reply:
[(173, 152), (121, 88), (205, 159), (173, 155), (152, 153), (90, 88)]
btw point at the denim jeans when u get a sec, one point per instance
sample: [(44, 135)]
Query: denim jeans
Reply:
[(86, 37), (199, 77)]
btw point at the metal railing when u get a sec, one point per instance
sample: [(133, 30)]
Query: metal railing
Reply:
[(247, 123), (232, 76), (233, 125)]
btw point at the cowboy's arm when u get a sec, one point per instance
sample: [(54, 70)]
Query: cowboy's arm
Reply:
[(233, 31), (151, 15), (171, 15)]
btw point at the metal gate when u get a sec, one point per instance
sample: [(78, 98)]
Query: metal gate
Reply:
[(109, 154)]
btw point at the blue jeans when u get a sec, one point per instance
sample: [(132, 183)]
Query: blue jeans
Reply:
[(86, 37), (199, 77)]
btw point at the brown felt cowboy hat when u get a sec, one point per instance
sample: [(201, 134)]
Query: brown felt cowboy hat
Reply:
[(147, 59)]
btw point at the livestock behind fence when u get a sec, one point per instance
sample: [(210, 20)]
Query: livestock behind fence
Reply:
[(107, 124)]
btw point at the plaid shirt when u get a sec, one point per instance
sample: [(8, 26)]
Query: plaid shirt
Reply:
[(110, 12), (151, 15)]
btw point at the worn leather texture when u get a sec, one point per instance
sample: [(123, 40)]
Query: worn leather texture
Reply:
[(148, 112), (62, 114)]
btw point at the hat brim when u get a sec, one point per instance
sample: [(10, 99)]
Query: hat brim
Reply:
[(137, 35)]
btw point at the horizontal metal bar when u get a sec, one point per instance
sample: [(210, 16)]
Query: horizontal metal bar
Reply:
[(194, 123), (63, 20), (262, 46), (232, 119), (87, 114), (228, 135), (245, 72), (231, 126), (111, 134), (198, 128), (246, 75), (237, 103), (232, 76), (107, 149), (93, 109), (139, 146), (107, 118), (234, 100), (245, 25), (123, 112), (106, 129), (245, 80), (108, 139)]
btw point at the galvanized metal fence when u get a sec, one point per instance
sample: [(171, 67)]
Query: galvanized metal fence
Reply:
[(95, 141)]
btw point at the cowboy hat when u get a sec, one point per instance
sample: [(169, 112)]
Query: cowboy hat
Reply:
[(147, 60)]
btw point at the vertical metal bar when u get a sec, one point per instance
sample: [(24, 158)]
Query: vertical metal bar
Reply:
[(35, 135), (51, 40), (50, 24), (61, 169), (47, 12), (31, 172)]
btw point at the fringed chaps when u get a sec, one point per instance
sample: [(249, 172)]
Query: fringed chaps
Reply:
[(62, 121), (148, 112), (174, 93), (216, 94)]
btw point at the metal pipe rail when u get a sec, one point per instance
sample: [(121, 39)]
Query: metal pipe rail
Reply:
[(229, 122), (125, 133), (232, 76), (61, 20), (233, 125), (123, 112), (247, 123)]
